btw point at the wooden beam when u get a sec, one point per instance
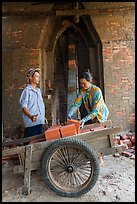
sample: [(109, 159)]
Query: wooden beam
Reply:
[(27, 172), (23, 140), (111, 150), (13, 151), (90, 11), (108, 123), (31, 14)]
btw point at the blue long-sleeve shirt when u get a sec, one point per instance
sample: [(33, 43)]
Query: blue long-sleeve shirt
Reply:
[(33, 101), (92, 97)]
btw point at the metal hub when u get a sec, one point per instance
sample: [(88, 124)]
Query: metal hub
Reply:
[(69, 168)]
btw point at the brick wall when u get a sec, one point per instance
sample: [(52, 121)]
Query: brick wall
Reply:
[(15, 66), (117, 32)]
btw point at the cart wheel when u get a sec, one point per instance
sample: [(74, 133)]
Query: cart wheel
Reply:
[(70, 167)]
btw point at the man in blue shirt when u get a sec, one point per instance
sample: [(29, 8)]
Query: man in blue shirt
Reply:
[(32, 105)]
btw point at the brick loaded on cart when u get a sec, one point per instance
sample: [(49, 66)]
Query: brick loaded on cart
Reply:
[(66, 155)]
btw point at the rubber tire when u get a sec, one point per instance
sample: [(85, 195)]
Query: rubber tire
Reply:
[(78, 144)]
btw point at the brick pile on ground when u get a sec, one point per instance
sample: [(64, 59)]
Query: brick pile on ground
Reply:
[(129, 140)]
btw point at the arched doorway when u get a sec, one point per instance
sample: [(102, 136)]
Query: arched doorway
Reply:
[(77, 49)]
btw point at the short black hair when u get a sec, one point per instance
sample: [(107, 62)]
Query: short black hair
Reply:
[(86, 75)]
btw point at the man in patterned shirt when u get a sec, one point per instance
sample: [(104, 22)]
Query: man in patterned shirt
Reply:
[(90, 102)]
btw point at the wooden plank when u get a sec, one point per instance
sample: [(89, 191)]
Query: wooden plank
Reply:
[(12, 151), (90, 11), (40, 145), (108, 123), (20, 168), (22, 158), (111, 140), (23, 140), (27, 173), (111, 150), (98, 133), (32, 14), (37, 155), (97, 144)]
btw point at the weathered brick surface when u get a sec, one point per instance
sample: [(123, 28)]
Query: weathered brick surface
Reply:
[(117, 32)]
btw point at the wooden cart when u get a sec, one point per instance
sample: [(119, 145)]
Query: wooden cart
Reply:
[(70, 165)]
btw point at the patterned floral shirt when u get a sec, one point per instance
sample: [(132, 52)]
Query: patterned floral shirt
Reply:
[(93, 102)]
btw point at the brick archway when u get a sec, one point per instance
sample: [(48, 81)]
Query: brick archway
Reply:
[(88, 55)]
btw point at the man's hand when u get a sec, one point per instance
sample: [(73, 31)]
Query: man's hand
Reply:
[(34, 118), (46, 121)]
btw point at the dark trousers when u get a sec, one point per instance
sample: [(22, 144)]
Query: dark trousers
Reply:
[(34, 130), (31, 131), (84, 113)]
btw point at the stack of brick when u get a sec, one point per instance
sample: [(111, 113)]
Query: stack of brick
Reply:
[(129, 140), (59, 131)]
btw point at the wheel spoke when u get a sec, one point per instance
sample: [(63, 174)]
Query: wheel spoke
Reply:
[(61, 157), (73, 180), (77, 179), (81, 178), (84, 174)]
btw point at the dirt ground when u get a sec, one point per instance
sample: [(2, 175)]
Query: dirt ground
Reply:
[(116, 183)]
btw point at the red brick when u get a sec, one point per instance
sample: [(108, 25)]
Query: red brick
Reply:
[(132, 156), (116, 155), (126, 154), (132, 139), (52, 133), (68, 130), (123, 137), (132, 151), (128, 142), (133, 147), (72, 64), (77, 123)]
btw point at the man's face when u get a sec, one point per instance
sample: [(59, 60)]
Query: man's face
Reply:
[(35, 78), (84, 84)]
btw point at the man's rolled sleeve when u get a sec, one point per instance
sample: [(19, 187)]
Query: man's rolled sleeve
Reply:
[(24, 99)]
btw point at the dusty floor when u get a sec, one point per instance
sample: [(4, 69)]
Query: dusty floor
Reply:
[(116, 183)]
